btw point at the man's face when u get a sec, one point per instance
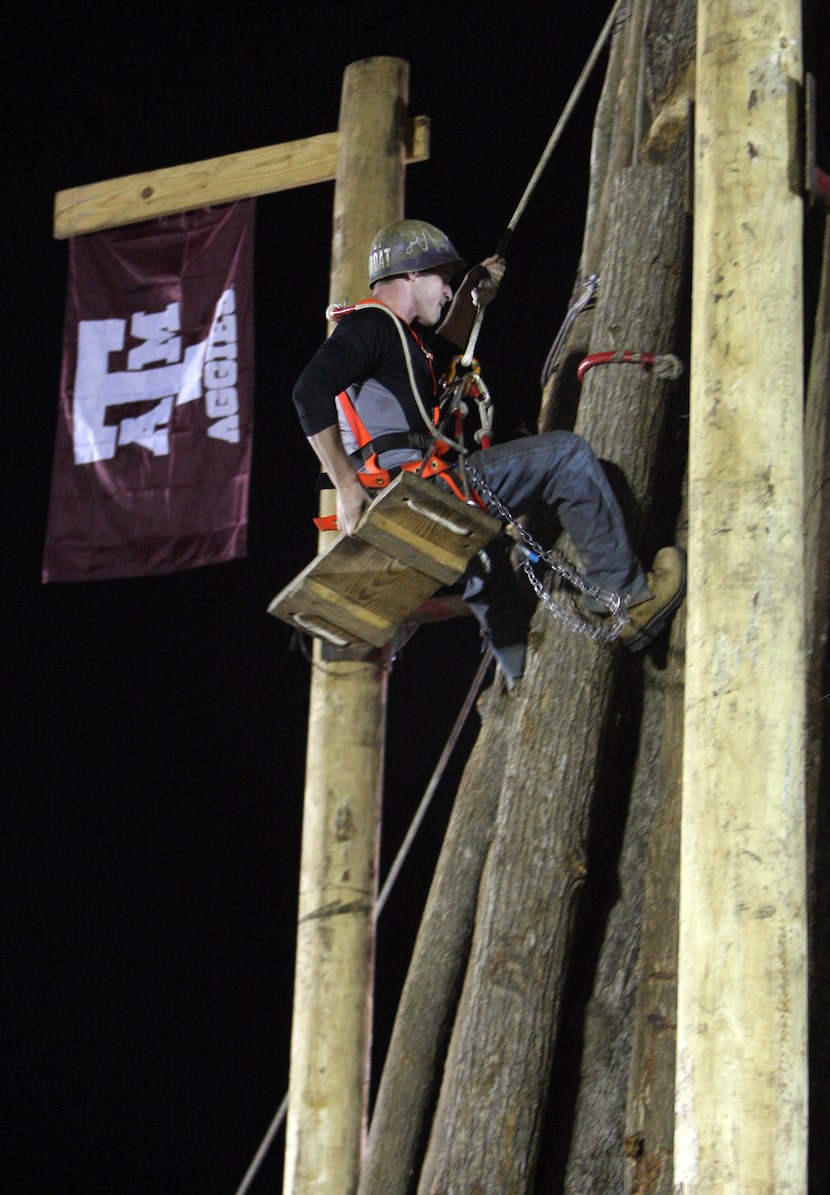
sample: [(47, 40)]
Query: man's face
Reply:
[(431, 291)]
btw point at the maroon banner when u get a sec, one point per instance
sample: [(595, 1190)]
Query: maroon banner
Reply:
[(153, 443)]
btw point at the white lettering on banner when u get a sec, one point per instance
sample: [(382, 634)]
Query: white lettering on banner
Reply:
[(156, 329), (147, 429), (222, 400), (208, 368)]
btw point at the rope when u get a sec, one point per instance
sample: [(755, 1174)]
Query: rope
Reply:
[(563, 119), (434, 782), (553, 141), (414, 387), (274, 1128), (585, 300), (394, 871), (543, 161)]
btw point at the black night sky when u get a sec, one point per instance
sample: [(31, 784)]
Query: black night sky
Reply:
[(156, 728)]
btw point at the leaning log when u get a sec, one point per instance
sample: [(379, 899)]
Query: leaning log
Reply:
[(415, 1057), (486, 1130)]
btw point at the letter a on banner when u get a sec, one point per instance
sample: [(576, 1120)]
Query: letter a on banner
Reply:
[(153, 443)]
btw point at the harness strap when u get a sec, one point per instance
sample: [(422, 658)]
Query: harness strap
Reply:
[(392, 440), (432, 445), (356, 424)]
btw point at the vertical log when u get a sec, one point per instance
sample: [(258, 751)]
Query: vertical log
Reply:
[(817, 531), (487, 1127), (649, 1126), (618, 148), (741, 1061), (330, 1036)]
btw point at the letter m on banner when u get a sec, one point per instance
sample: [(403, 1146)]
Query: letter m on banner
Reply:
[(153, 444)]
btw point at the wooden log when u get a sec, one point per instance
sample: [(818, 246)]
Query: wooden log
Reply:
[(817, 578), (741, 1102), (244, 175), (412, 1070), (487, 1124), (649, 1121), (331, 1027)]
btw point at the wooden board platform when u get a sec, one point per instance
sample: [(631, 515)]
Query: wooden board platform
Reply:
[(414, 538)]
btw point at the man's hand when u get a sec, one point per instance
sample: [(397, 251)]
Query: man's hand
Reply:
[(352, 498), (486, 278), (477, 289)]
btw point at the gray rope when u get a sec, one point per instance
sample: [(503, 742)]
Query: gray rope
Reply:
[(566, 113), (394, 871), (553, 141), (584, 301)]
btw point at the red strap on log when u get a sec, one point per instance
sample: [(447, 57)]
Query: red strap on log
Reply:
[(665, 365)]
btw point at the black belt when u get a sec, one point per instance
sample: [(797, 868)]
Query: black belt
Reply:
[(392, 440)]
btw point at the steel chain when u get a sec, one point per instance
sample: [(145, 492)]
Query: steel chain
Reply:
[(618, 614)]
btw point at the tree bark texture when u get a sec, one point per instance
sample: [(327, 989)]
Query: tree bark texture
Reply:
[(627, 1053), (486, 1130), (622, 1107), (649, 1118), (549, 929), (817, 530), (411, 1073), (643, 111)]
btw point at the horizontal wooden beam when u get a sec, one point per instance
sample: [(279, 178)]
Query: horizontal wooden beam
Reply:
[(137, 197)]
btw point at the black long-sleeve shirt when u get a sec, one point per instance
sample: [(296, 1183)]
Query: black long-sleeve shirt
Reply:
[(365, 356)]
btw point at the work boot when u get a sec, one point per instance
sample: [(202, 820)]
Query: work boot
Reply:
[(667, 582)]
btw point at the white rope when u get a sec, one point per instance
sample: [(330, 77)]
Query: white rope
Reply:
[(275, 1126), (566, 113), (543, 161), (584, 300), (413, 385), (434, 782), (394, 871)]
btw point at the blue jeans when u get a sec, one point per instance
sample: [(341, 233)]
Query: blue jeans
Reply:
[(557, 469)]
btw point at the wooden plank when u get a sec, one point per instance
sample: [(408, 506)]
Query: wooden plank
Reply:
[(326, 614), (361, 595), (147, 196), (425, 526), (414, 538)]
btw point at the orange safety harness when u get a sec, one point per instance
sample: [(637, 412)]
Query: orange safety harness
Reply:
[(433, 463)]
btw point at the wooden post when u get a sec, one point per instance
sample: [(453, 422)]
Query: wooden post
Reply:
[(741, 1095), (330, 1036)]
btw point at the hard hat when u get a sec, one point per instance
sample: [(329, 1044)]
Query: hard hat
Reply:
[(411, 245)]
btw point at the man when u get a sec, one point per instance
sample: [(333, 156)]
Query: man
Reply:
[(388, 379)]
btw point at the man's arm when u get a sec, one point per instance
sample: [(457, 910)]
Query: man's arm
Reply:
[(340, 360), (352, 498), (457, 323)]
